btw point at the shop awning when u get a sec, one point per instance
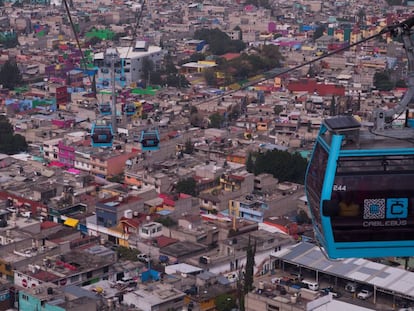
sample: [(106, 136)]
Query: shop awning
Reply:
[(71, 222)]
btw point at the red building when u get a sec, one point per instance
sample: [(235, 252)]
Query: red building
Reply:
[(61, 95), (312, 86)]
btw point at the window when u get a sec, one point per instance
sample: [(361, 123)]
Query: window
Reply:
[(25, 297)]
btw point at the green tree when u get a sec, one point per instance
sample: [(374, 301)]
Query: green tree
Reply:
[(277, 109), (195, 57), (10, 42), (303, 218), (125, 253), (248, 275), (382, 81), (156, 78), (225, 302), (283, 165), (93, 41), (177, 80), (10, 143), (318, 32), (170, 68), (193, 110), (166, 221), (361, 16), (216, 120), (117, 178), (147, 68), (219, 42), (188, 147), (210, 77), (237, 28), (250, 163), (271, 52), (187, 186), (10, 75), (196, 119), (401, 83)]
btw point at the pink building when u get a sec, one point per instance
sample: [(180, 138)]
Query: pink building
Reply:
[(66, 154)]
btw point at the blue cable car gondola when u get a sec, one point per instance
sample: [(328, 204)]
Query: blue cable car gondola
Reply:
[(105, 109), (102, 135), (150, 140), (359, 182), (130, 109)]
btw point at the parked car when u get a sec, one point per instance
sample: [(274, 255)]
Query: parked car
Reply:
[(143, 258), (12, 209), (276, 280), (351, 287), (26, 214), (327, 290), (364, 294)]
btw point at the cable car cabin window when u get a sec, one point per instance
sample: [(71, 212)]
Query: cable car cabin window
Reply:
[(102, 136), (372, 207), (359, 165), (314, 182), (105, 108), (150, 140), (130, 109)]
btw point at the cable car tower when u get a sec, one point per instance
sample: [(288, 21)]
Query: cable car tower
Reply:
[(360, 179)]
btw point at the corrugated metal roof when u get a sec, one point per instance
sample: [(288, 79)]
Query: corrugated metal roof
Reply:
[(382, 276)]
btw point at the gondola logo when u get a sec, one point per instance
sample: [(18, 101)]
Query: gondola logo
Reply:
[(374, 209), (385, 209)]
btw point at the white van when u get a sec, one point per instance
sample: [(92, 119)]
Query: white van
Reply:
[(312, 285)]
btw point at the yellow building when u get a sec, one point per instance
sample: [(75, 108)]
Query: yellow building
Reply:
[(6, 269)]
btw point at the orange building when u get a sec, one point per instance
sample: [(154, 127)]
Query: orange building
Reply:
[(109, 164)]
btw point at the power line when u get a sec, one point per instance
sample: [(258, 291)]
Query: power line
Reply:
[(134, 34), (76, 38)]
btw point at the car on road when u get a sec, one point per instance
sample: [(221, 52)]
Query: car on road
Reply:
[(364, 294)]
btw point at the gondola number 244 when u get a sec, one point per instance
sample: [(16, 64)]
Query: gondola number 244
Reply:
[(339, 188)]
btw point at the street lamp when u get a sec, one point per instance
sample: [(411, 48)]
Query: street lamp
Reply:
[(111, 57)]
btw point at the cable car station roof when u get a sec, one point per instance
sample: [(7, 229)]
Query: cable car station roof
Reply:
[(384, 278)]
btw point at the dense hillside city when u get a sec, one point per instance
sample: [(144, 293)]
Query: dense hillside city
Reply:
[(153, 154)]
